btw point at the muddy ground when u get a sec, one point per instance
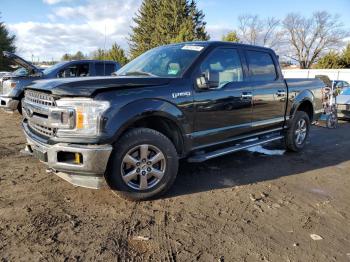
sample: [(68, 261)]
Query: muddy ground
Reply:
[(243, 207)]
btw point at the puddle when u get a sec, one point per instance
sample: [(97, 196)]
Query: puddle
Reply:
[(261, 150)]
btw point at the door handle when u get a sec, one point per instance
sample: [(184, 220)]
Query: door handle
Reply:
[(246, 95), (281, 93)]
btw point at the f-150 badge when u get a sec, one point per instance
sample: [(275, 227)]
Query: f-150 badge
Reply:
[(181, 94)]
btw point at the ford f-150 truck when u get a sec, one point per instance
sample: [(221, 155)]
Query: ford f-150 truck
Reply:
[(12, 86), (196, 100)]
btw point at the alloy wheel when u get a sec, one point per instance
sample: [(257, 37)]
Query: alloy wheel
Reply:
[(143, 167), (301, 132)]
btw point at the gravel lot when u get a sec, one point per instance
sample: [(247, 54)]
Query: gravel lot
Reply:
[(243, 207)]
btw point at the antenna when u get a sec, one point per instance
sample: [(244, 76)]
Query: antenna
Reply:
[(104, 54)]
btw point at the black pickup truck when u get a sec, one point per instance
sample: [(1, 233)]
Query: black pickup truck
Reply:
[(196, 100)]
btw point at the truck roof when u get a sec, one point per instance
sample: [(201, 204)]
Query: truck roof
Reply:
[(222, 43), (91, 61)]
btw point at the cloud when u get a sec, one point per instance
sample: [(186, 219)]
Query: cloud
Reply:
[(216, 32), (70, 29), (54, 2)]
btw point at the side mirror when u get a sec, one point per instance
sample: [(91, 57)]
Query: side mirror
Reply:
[(202, 82)]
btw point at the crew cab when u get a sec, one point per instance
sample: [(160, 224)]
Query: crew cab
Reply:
[(195, 100), (12, 87)]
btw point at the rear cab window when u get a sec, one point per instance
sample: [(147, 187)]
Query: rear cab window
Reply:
[(261, 66), (104, 69)]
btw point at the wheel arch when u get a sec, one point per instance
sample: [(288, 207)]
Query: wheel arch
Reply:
[(159, 115), (305, 102)]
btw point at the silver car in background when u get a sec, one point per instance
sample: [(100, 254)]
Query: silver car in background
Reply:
[(343, 103)]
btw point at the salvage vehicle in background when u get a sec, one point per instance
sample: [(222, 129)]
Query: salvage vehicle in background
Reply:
[(340, 84), (343, 103), (12, 88), (196, 100)]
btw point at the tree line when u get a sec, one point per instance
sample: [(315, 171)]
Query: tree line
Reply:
[(307, 41)]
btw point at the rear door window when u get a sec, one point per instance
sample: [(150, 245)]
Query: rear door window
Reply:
[(261, 66), (104, 69)]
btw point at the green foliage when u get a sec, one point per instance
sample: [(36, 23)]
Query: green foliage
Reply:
[(332, 60), (77, 56), (335, 60), (345, 60), (164, 22), (99, 54), (231, 37), (7, 43), (116, 53)]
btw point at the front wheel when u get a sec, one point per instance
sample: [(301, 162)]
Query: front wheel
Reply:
[(143, 165), (298, 132)]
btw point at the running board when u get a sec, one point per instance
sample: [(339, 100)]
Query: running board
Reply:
[(206, 156)]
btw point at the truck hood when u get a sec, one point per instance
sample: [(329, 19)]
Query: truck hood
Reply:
[(21, 62), (88, 86)]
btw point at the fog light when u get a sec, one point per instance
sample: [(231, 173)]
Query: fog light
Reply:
[(78, 158), (70, 158)]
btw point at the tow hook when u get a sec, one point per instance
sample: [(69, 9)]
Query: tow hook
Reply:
[(27, 151), (50, 171)]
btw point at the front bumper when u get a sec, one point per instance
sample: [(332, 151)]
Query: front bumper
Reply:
[(88, 173), (8, 103)]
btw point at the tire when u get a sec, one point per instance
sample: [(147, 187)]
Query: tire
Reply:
[(126, 162), (19, 107), (294, 142)]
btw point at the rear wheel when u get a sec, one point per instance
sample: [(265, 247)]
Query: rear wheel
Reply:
[(143, 165), (298, 132)]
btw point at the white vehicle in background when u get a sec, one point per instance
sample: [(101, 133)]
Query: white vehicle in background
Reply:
[(343, 103), (2, 73)]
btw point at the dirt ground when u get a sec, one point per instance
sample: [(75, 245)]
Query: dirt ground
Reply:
[(243, 207)]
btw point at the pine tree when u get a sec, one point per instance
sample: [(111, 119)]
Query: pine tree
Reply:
[(231, 37), (117, 54), (66, 57), (78, 56), (6, 44), (164, 22), (99, 54), (141, 38)]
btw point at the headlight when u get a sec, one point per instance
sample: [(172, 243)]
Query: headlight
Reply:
[(8, 86), (81, 117)]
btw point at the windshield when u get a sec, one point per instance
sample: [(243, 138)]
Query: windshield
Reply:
[(20, 72), (52, 68), (165, 61), (346, 92)]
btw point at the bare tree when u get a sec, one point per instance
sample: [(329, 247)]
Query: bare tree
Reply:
[(255, 31), (310, 37)]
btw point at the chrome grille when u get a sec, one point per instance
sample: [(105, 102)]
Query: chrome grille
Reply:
[(43, 130), (39, 98), (36, 108)]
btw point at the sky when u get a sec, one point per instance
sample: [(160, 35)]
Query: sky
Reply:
[(46, 29)]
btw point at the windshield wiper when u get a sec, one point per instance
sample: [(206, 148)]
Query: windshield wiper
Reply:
[(142, 73)]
